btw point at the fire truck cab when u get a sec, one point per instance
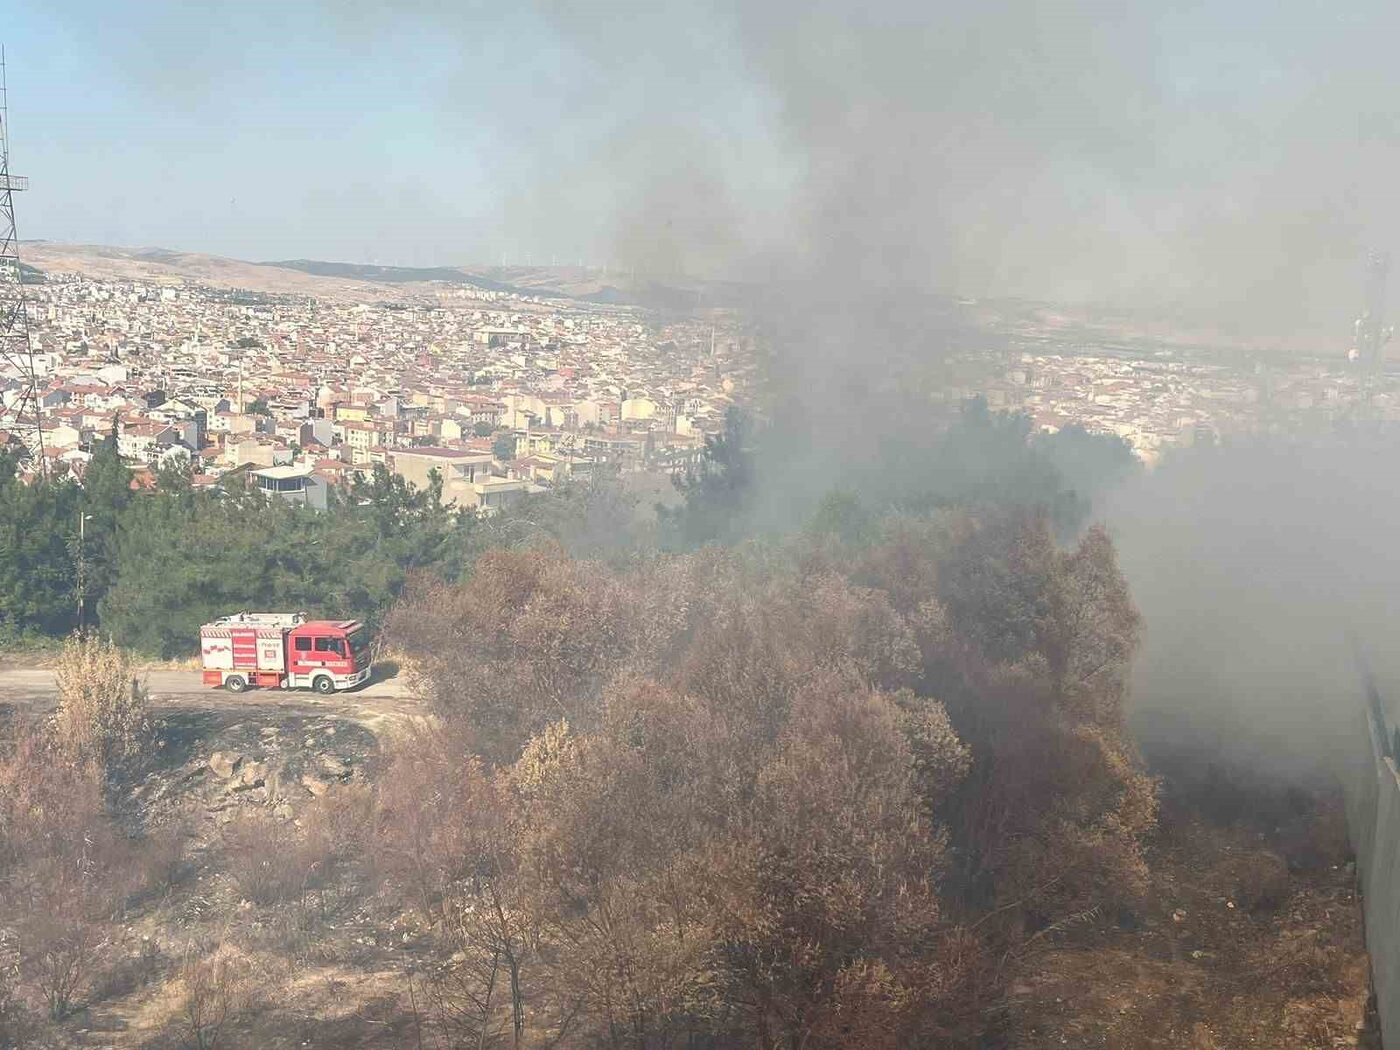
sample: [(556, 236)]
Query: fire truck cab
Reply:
[(284, 651)]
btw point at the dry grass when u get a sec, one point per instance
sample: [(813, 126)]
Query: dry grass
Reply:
[(217, 990), (101, 714), (271, 860), (1234, 951), (266, 857)]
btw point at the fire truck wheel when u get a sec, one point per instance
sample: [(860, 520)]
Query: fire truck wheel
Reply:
[(323, 685), (235, 683)]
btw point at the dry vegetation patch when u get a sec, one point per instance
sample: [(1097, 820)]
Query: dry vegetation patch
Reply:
[(876, 798), (1236, 947)]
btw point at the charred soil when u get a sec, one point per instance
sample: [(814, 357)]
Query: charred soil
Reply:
[(1251, 935), (262, 924)]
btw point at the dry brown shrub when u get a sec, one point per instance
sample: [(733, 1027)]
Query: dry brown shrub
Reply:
[(125, 971), (706, 795), (161, 856), (709, 804), (216, 992), (1257, 880), (1033, 650), (442, 839), (69, 931), (14, 1017), (267, 858), (336, 846), (434, 802), (868, 1005), (340, 824), (66, 870), (904, 562), (530, 638), (1053, 823), (101, 714), (454, 1005), (941, 761), (833, 859)]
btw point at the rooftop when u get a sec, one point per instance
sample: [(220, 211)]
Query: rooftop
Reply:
[(283, 473), (437, 452)]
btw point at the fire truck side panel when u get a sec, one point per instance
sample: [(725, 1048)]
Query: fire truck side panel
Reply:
[(271, 650), (216, 648), (245, 649), (282, 650)]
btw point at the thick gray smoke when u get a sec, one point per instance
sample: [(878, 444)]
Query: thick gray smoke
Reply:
[(1217, 165), (1226, 163), (1267, 572), (1222, 162)]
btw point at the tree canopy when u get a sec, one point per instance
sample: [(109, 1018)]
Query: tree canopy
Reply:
[(808, 795)]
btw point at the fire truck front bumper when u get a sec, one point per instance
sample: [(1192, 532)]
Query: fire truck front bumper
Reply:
[(350, 681)]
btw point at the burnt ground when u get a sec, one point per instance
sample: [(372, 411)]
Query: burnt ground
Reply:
[(1251, 936), (27, 687), (222, 758), (329, 961)]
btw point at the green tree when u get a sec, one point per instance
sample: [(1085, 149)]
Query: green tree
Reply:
[(842, 516), (503, 448), (107, 480), (38, 527), (175, 475), (1088, 463), (106, 495), (718, 489), (186, 557)]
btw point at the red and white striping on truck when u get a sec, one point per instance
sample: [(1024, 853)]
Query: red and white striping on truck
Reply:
[(284, 651)]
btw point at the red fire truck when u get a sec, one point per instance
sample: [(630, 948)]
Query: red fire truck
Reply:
[(284, 651)]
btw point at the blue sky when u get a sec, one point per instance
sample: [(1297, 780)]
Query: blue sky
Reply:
[(261, 132), (419, 133), (1241, 155)]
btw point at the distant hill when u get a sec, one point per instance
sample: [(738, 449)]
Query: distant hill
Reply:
[(397, 274), (160, 265), (372, 281)]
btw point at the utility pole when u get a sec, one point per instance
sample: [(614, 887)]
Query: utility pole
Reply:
[(16, 351), (1371, 331), (83, 519)]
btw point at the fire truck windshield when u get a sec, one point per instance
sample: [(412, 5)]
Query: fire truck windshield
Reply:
[(359, 643)]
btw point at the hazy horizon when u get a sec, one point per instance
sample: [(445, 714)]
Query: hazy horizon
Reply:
[(1198, 160)]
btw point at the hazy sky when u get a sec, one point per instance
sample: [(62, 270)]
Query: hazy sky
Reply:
[(255, 130), (271, 130), (1242, 155)]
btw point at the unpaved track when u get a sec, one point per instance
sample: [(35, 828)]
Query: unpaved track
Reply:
[(386, 699)]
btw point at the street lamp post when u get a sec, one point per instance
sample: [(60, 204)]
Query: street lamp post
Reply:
[(83, 519)]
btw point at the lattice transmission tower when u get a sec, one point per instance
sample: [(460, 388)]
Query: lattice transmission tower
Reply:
[(19, 380), (1370, 331)]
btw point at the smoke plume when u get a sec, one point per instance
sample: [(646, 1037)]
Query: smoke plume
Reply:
[(1268, 576)]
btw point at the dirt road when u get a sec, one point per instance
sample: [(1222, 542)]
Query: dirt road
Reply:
[(35, 689)]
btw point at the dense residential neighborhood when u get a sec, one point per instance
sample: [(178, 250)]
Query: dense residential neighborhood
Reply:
[(499, 394), (1167, 399)]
